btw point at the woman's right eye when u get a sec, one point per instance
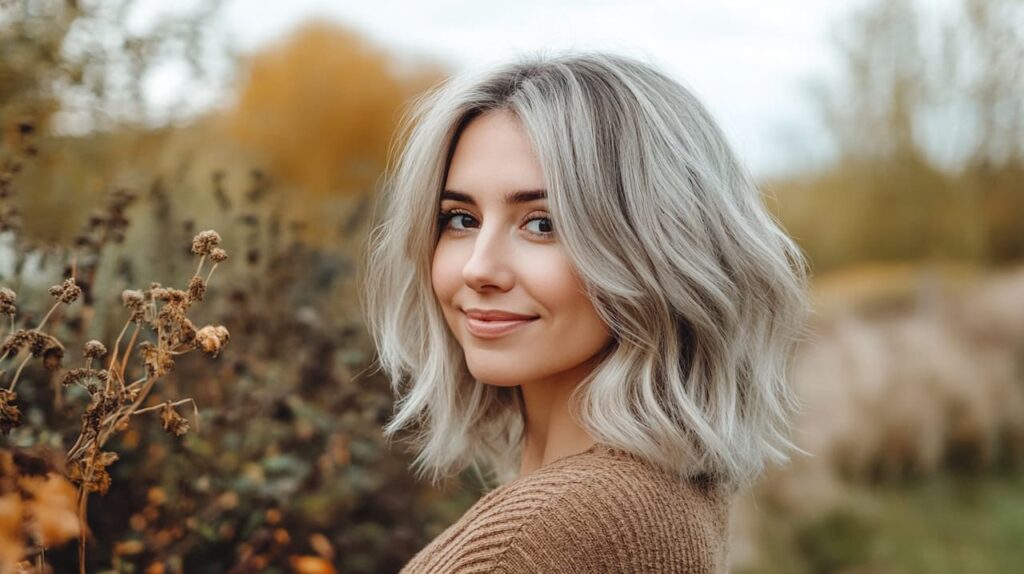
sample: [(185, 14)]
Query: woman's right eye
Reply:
[(446, 216)]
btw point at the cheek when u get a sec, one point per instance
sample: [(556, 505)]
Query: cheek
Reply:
[(444, 274), (554, 284), (559, 290)]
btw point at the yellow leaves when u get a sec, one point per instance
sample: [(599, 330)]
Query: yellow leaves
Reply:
[(227, 500), (272, 516), (322, 545), (319, 110), (156, 496), (128, 547), (320, 107), (52, 507), (47, 515), (12, 544), (311, 565)]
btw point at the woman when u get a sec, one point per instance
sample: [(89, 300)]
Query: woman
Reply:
[(576, 285)]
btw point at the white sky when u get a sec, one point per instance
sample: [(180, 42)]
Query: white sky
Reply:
[(749, 61)]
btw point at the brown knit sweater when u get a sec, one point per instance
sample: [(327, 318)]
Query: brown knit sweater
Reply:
[(600, 510)]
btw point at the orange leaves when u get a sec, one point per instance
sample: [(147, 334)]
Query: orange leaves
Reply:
[(12, 545), (43, 508), (321, 108), (311, 565), (52, 508)]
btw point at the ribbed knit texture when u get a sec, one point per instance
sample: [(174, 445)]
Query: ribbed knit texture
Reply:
[(600, 510)]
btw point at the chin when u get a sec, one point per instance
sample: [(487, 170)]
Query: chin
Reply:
[(495, 377)]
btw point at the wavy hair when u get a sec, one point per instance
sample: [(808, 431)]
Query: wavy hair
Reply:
[(704, 293)]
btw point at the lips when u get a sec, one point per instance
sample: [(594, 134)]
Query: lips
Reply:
[(494, 324), (495, 315)]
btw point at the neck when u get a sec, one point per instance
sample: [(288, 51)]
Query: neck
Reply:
[(550, 432)]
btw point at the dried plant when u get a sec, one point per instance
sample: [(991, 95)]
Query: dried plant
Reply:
[(115, 401)]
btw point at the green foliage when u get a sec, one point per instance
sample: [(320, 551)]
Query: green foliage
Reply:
[(942, 524)]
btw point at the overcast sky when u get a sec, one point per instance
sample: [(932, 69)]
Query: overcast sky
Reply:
[(748, 60)]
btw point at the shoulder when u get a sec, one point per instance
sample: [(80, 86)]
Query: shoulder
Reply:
[(591, 512)]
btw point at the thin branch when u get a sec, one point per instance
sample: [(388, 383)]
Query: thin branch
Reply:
[(210, 274), (47, 316), (18, 372), (128, 352), (162, 405), (113, 355)]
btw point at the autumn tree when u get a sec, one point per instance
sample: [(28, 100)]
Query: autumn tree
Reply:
[(320, 109)]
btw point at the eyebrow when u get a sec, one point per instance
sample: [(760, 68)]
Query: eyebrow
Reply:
[(513, 198)]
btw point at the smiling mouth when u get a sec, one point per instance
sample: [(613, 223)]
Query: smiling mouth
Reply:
[(494, 329)]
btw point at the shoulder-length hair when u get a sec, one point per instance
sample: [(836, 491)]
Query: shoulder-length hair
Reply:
[(704, 293)]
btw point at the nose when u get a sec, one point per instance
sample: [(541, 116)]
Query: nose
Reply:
[(488, 266)]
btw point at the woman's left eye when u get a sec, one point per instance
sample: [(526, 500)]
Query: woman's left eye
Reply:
[(545, 226)]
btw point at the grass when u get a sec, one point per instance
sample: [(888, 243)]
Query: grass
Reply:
[(946, 524)]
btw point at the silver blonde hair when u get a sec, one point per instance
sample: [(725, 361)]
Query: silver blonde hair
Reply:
[(704, 293)]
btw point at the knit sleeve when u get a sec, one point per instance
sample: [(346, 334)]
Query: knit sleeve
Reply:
[(577, 532), (560, 537), (584, 520), (623, 532), (523, 531)]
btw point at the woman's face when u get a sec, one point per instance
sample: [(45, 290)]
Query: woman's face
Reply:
[(499, 251)]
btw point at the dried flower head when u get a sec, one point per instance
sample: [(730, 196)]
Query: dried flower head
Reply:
[(10, 416), (7, 298), (186, 332), (67, 291), (158, 363), (156, 293), (173, 422), (196, 288), (94, 349), (90, 378), (98, 461), (53, 358), (211, 339), (218, 255), (205, 241), (14, 342), (96, 218), (39, 344), (135, 301)]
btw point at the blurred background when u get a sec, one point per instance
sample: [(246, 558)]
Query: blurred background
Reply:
[(887, 135)]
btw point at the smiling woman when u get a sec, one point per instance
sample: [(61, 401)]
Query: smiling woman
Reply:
[(507, 288), (576, 286)]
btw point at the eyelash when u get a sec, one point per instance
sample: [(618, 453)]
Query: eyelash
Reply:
[(446, 215)]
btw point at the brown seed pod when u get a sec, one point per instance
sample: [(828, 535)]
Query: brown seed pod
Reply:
[(211, 339), (94, 349)]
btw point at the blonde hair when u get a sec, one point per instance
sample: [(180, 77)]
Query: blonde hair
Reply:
[(704, 293)]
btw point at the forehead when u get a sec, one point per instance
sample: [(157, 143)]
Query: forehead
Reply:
[(493, 157)]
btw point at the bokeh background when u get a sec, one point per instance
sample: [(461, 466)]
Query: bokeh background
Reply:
[(887, 135)]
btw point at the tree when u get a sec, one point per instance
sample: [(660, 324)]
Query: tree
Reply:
[(321, 109)]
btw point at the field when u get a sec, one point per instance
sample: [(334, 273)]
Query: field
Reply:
[(187, 383)]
